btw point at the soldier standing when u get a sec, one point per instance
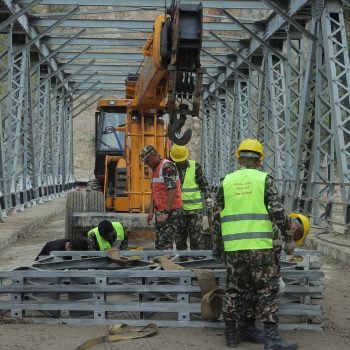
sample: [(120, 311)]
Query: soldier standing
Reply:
[(248, 204), (166, 203), (194, 188)]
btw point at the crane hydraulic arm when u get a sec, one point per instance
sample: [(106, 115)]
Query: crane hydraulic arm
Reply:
[(171, 78)]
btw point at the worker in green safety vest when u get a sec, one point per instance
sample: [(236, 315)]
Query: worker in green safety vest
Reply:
[(248, 205), (107, 235), (194, 191)]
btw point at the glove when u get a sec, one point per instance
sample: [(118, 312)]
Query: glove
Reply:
[(281, 287), (289, 248), (209, 203)]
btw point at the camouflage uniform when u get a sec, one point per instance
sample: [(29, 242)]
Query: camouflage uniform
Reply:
[(166, 231), (252, 275), (192, 220)]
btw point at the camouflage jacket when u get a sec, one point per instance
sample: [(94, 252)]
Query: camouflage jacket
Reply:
[(279, 218)]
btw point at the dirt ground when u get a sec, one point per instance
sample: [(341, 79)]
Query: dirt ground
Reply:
[(336, 320)]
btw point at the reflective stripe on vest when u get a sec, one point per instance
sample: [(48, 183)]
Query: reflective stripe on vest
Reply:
[(102, 243), (245, 222), (191, 195), (160, 190)]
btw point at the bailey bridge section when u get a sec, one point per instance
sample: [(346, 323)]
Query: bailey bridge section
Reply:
[(275, 70)]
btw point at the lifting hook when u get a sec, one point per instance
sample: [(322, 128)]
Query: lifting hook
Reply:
[(174, 130)]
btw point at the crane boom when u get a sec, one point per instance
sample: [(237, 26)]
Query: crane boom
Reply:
[(171, 78)]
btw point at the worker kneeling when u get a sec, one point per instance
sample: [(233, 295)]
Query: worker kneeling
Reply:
[(107, 235)]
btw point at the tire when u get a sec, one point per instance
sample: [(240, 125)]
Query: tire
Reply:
[(95, 202), (74, 204)]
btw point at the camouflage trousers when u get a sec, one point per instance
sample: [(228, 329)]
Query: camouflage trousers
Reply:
[(192, 228), (166, 231), (251, 285)]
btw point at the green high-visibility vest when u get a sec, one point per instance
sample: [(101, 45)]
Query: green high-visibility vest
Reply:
[(102, 243), (191, 195), (245, 222)]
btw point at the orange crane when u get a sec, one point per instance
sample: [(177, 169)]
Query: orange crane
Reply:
[(169, 82)]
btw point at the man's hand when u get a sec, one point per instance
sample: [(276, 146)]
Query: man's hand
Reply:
[(209, 204), (149, 218), (162, 217)]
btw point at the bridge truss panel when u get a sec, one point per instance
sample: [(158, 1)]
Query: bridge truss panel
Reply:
[(279, 74)]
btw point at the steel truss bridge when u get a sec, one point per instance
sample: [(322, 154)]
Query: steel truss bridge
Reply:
[(276, 70)]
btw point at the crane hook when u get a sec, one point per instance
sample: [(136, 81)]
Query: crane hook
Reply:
[(174, 130)]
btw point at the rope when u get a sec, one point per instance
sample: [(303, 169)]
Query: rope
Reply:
[(118, 332)]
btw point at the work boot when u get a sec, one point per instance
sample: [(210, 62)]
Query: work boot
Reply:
[(248, 331), (273, 341), (231, 334)]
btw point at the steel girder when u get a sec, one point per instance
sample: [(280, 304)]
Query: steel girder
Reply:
[(229, 4), (268, 79)]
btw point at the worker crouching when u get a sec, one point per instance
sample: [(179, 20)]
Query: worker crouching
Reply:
[(107, 235), (248, 204)]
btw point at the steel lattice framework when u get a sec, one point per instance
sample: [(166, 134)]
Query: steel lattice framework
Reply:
[(275, 70)]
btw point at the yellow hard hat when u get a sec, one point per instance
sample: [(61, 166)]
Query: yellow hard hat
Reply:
[(304, 220), (179, 153), (252, 147)]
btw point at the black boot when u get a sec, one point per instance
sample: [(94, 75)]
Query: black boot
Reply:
[(248, 331), (231, 334), (273, 341)]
